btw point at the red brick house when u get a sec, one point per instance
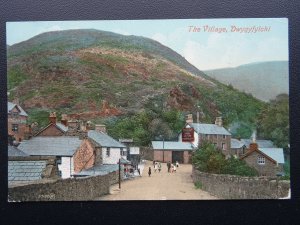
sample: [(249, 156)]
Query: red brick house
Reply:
[(267, 161), (17, 122)]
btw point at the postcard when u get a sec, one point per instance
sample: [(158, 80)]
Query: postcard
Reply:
[(172, 109)]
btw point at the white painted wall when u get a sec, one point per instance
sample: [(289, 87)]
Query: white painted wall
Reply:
[(66, 167), (134, 150), (115, 155)]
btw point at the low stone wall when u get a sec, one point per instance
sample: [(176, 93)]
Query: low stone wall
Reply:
[(72, 189), (237, 187)]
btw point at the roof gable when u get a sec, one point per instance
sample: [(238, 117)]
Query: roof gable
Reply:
[(104, 140), (58, 126), (259, 152), (11, 106)]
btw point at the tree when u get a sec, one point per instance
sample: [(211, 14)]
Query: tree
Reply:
[(273, 121)]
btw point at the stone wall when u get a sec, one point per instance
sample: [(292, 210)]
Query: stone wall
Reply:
[(72, 189), (237, 187)]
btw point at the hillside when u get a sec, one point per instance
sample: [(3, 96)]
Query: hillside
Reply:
[(103, 76), (264, 80)]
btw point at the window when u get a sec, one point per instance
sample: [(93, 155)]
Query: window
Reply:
[(58, 160), (14, 114), (224, 136), (15, 127), (261, 160), (216, 136), (108, 152), (223, 146)]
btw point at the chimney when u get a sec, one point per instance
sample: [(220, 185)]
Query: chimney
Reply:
[(189, 118), (219, 121), (52, 117), (100, 128), (253, 146), (73, 126), (64, 119)]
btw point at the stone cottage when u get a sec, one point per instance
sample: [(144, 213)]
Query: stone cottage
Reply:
[(196, 133), (267, 161)]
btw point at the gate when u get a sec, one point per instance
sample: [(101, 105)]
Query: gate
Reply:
[(177, 156)]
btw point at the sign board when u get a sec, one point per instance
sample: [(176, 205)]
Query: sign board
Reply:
[(188, 135)]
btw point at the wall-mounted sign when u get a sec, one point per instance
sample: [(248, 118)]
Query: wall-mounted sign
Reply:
[(187, 134)]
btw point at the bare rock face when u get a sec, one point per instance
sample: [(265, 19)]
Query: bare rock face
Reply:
[(179, 100)]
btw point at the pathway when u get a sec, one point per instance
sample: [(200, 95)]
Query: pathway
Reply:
[(160, 186)]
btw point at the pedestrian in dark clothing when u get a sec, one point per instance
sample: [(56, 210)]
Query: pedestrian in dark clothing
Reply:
[(149, 171), (169, 166)]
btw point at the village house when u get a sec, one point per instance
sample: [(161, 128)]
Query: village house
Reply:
[(133, 152), (72, 154), (17, 122), (111, 150), (238, 147), (196, 133), (267, 161), (169, 151)]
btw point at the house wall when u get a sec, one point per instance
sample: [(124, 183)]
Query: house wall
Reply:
[(85, 156), (66, 167), (236, 187), (162, 156), (187, 157), (268, 169), (52, 130), (22, 126), (218, 139), (115, 155)]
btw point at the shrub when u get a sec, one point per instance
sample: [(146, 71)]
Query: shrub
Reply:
[(198, 185), (208, 159)]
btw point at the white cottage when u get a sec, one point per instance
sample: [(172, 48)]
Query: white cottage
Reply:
[(111, 149), (64, 148)]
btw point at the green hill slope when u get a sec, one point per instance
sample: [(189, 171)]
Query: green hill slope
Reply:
[(103, 76)]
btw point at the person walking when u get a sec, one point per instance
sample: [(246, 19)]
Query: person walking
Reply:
[(177, 164), (155, 167), (174, 168), (159, 167), (149, 171), (169, 166)]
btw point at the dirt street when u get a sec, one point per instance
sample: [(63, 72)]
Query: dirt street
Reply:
[(160, 186)]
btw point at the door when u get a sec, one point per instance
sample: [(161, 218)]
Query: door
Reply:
[(177, 156)]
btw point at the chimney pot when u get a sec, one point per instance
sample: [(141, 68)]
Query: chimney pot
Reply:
[(219, 121), (253, 146), (189, 118)]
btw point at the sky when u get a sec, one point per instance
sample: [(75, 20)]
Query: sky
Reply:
[(202, 42)]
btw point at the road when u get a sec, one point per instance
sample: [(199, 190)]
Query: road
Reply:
[(159, 186)]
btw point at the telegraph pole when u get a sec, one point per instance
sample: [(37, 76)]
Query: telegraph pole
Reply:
[(120, 173)]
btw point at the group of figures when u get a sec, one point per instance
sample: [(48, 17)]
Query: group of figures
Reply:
[(157, 166)]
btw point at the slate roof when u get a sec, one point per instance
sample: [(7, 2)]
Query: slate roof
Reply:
[(14, 151), (260, 143), (172, 145), (203, 128), (98, 170), (62, 127), (25, 171), (51, 146), (235, 143), (11, 105), (274, 153), (104, 140)]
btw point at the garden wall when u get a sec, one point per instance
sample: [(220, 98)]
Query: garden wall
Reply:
[(236, 187), (72, 189)]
